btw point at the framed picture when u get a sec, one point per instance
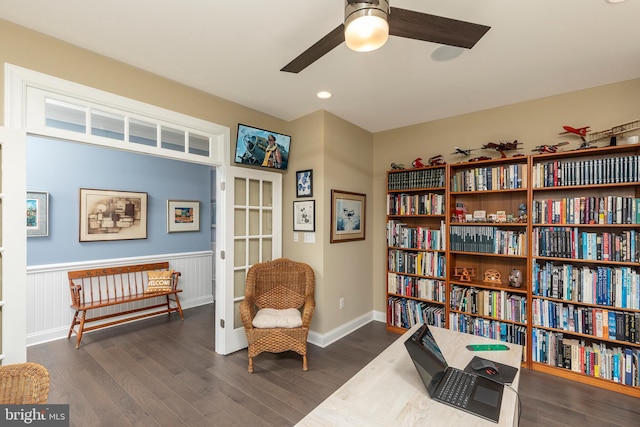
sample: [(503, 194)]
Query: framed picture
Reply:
[(112, 215), (304, 183), (37, 213), (304, 215), (347, 216), (262, 148), (183, 215)]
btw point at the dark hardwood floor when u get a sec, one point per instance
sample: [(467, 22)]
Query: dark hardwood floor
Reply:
[(165, 372)]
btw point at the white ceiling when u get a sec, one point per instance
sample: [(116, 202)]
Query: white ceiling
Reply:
[(235, 48)]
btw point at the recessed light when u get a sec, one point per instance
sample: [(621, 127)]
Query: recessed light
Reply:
[(323, 94), (615, 1)]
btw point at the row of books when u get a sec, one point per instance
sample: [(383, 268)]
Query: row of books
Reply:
[(483, 302), (405, 313), (415, 204), (598, 360), (400, 235), (503, 331), (432, 264), (587, 210), (611, 286), (487, 239), (416, 287), (416, 178), (501, 177), (570, 242), (598, 322), (609, 170)]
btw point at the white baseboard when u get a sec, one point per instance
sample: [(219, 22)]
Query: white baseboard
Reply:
[(323, 340)]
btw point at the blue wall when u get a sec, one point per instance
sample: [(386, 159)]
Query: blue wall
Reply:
[(61, 168)]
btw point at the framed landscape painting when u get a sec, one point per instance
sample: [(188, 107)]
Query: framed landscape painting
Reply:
[(183, 215), (37, 213)]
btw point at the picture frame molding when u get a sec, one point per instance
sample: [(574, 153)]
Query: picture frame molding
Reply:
[(174, 226), (298, 224), (42, 214), (340, 199), (300, 190), (93, 202)]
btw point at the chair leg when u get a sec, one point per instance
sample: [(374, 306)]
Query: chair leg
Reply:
[(305, 367), (250, 365)]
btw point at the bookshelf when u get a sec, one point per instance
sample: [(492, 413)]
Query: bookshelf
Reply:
[(585, 302), (488, 238), (416, 256), (568, 222)]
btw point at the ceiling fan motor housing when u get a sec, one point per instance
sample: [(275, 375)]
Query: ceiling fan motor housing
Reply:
[(376, 33)]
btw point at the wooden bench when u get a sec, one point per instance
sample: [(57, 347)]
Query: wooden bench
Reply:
[(105, 287)]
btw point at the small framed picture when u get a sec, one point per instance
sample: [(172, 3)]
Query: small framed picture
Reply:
[(183, 215), (37, 214), (347, 216), (304, 183), (304, 215)]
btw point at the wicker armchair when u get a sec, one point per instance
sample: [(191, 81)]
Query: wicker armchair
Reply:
[(279, 284), (24, 383)]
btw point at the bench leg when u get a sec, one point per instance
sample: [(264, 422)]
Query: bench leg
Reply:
[(178, 306), (74, 322), (81, 328)]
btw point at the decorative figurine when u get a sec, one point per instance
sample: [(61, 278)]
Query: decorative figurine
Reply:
[(464, 274), (417, 163), (397, 166), (436, 160), (515, 278), (492, 276), (522, 209)]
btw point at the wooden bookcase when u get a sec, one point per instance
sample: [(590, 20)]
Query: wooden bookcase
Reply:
[(488, 243), (543, 233), (585, 263), (416, 257)]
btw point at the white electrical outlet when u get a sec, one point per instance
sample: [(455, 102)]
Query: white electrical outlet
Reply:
[(341, 302)]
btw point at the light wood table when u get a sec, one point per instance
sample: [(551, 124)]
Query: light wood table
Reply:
[(388, 391)]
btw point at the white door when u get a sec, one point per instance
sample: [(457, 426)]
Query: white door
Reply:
[(13, 246), (252, 233)]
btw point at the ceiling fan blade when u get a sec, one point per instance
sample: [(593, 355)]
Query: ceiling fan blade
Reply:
[(317, 51), (437, 29)]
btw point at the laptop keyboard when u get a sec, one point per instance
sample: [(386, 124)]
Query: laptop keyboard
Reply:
[(457, 387)]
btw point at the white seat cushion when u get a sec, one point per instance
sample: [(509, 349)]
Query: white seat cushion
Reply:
[(272, 318)]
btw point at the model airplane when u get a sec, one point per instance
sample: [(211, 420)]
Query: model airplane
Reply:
[(581, 132), (417, 163), (462, 151), (501, 147), (436, 160), (549, 148)]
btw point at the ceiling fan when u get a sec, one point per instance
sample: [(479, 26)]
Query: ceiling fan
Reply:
[(401, 22)]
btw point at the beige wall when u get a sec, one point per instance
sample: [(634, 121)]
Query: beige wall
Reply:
[(348, 265), (340, 155), (532, 123)]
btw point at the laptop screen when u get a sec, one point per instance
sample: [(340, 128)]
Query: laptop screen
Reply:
[(427, 357)]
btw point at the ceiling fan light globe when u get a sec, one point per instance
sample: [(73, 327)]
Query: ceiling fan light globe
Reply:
[(365, 24), (366, 33)]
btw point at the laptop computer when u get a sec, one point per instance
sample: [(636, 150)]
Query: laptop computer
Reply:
[(463, 390)]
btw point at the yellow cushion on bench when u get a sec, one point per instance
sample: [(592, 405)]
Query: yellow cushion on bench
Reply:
[(159, 281)]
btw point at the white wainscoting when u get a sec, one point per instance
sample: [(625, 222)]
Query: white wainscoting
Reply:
[(48, 298)]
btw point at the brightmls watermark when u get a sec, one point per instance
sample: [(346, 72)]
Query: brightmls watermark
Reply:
[(34, 415)]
